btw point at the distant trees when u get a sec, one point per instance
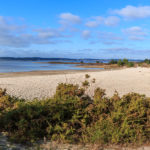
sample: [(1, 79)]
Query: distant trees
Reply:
[(147, 61), (124, 62)]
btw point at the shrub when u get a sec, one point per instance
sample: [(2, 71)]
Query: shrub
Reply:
[(125, 61), (93, 80), (71, 116), (87, 76), (147, 61), (130, 64), (113, 61), (85, 83), (67, 91), (120, 62)]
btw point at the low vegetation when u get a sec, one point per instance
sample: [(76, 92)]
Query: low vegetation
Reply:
[(127, 63), (123, 62), (74, 117)]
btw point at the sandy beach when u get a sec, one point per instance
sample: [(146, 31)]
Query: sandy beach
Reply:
[(40, 84)]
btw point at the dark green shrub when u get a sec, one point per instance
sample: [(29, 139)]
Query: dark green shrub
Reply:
[(130, 64), (120, 62), (125, 61), (147, 61), (113, 61)]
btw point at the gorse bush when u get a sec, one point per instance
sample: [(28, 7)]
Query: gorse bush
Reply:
[(72, 116)]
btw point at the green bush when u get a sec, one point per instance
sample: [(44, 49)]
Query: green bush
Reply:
[(87, 76), (147, 61), (125, 61), (130, 64), (113, 61), (120, 62), (72, 116), (85, 83)]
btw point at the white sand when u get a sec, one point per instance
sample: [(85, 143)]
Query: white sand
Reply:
[(124, 81)]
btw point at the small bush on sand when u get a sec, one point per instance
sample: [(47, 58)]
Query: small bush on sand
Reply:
[(87, 76), (85, 83)]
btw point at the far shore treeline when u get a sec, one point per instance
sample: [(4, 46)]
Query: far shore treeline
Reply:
[(65, 59)]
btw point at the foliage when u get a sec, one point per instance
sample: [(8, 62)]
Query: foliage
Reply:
[(147, 61), (85, 83), (87, 76), (113, 61), (72, 116), (120, 62), (130, 64)]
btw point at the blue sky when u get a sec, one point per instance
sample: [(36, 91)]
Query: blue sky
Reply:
[(75, 29)]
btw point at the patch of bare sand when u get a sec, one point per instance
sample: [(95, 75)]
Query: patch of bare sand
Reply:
[(44, 85)]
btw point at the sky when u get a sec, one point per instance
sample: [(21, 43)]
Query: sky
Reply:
[(75, 28)]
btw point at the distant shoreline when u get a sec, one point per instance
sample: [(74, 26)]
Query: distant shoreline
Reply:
[(86, 65), (43, 83), (47, 72)]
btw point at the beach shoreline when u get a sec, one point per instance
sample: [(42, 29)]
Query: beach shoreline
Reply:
[(42, 84), (51, 72)]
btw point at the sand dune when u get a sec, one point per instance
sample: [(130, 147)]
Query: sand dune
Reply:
[(124, 81)]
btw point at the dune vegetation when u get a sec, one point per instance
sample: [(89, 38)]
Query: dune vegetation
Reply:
[(71, 116)]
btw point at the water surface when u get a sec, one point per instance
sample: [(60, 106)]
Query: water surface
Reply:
[(24, 66)]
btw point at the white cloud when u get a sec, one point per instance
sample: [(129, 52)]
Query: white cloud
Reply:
[(48, 33), (92, 24), (13, 35), (86, 34), (111, 21), (135, 33), (135, 38), (133, 12), (108, 21), (69, 18), (107, 38)]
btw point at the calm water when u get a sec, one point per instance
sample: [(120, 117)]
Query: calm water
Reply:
[(22, 66)]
